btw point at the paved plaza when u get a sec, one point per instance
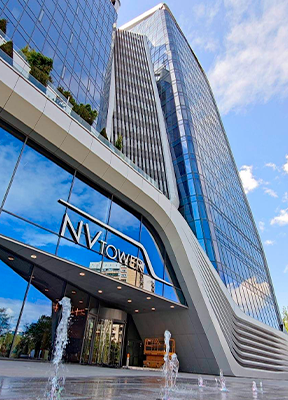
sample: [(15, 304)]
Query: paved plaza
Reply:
[(23, 380)]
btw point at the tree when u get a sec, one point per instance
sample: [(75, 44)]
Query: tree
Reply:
[(3, 25), (4, 321), (36, 336), (7, 48), (285, 317), (84, 110), (41, 66), (119, 142)]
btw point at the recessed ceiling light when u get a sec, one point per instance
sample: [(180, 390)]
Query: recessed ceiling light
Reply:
[(136, 310), (129, 301), (46, 290), (80, 301), (119, 287), (82, 273), (11, 258), (148, 298), (153, 308), (100, 291), (73, 291), (33, 256), (172, 306)]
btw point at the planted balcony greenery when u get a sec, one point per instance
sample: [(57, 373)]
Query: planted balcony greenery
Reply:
[(119, 143), (41, 66), (3, 25), (104, 133), (7, 48), (84, 110)]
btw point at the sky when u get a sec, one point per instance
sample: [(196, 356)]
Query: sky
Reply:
[(242, 46)]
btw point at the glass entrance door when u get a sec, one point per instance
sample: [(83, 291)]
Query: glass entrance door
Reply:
[(87, 344), (116, 344), (103, 342)]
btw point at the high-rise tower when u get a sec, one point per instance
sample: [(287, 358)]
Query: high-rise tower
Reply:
[(134, 111), (79, 219), (212, 199)]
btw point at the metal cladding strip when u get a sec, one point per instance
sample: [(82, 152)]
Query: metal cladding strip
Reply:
[(262, 348), (122, 235)]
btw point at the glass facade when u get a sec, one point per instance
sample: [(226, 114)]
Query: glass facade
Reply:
[(76, 34), (31, 213), (211, 196)]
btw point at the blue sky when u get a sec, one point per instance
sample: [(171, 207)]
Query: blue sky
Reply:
[(242, 46)]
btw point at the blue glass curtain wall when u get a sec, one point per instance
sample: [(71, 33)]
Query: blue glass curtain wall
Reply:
[(211, 198), (76, 34), (32, 184)]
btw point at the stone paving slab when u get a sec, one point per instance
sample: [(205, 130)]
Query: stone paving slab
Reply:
[(121, 384)]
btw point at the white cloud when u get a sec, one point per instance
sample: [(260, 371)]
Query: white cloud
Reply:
[(281, 219), (270, 192), (271, 165), (285, 197), (285, 166), (285, 269), (31, 313), (249, 182), (269, 242), (254, 66), (248, 287), (262, 226)]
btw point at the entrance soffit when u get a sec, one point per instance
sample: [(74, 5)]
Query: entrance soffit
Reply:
[(92, 281)]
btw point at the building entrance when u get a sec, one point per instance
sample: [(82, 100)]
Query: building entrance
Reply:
[(103, 342)]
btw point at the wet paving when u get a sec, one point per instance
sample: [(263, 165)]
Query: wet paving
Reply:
[(140, 388)]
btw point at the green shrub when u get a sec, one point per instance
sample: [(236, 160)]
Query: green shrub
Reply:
[(7, 48), (84, 110), (3, 25), (104, 133), (119, 142), (41, 66), (67, 94)]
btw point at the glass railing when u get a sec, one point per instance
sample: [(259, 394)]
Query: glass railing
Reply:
[(19, 63)]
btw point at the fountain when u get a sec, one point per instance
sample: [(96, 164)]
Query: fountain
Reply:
[(200, 382), (170, 367), (57, 383), (261, 387), (222, 382), (254, 387), (174, 366)]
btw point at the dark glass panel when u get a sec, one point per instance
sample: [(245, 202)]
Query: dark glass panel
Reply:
[(80, 303)]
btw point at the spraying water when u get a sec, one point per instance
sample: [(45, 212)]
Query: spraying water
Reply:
[(166, 366), (57, 383), (200, 382), (222, 382), (261, 387), (174, 366), (170, 367), (254, 387)]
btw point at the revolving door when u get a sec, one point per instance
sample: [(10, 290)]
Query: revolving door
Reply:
[(103, 340)]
